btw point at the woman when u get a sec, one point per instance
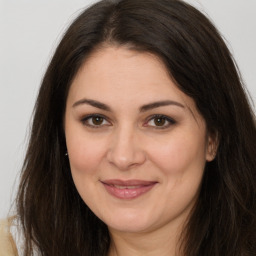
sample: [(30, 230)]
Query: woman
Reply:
[(143, 140)]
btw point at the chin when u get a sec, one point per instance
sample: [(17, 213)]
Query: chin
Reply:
[(128, 227), (131, 222)]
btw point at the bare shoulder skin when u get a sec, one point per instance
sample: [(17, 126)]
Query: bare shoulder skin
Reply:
[(7, 244)]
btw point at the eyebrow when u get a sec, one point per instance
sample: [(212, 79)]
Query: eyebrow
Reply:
[(93, 103), (143, 108), (158, 104)]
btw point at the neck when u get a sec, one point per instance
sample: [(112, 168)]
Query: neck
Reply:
[(164, 242)]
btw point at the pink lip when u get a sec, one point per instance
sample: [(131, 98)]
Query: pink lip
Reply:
[(128, 189)]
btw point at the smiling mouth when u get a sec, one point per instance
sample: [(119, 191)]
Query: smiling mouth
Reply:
[(129, 189)]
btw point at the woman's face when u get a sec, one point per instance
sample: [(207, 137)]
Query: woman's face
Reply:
[(137, 145)]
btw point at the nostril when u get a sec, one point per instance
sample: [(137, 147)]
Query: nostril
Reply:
[(124, 159), (124, 150)]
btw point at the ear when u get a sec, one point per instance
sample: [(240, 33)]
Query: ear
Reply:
[(212, 146)]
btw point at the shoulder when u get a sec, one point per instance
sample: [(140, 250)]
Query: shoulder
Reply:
[(7, 245)]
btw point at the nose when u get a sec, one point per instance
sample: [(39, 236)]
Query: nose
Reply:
[(125, 151)]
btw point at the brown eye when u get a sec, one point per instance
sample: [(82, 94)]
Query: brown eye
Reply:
[(97, 120), (160, 121)]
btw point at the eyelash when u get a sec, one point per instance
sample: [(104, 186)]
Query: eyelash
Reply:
[(167, 119), (85, 121)]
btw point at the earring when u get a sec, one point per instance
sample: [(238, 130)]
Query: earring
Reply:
[(66, 154)]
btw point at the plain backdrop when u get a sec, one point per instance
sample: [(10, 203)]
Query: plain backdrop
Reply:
[(29, 33)]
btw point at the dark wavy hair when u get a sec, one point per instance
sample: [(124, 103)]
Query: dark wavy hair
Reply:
[(55, 220)]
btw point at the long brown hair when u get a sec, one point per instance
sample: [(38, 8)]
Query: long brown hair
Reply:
[(54, 218)]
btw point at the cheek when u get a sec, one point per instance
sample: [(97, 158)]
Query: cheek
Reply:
[(85, 154), (179, 154)]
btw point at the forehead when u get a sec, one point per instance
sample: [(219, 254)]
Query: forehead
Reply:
[(123, 64), (117, 74)]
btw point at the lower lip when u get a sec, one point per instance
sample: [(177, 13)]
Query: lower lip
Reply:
[(128, 193)]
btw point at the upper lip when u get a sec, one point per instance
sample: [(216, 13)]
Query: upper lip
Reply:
[(128, 182)]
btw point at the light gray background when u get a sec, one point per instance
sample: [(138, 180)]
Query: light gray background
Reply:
[(29, 33)]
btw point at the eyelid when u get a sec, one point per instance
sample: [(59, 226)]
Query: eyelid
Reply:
[(170, 121), (85, 118)]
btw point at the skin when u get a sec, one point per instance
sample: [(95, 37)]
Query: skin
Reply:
[(128, 143)]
